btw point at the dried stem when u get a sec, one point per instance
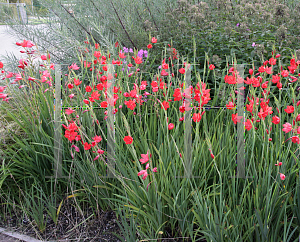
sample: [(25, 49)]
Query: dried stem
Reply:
[(122, 24)]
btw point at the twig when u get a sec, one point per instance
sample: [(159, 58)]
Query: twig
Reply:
[(151, 14), (103, 18), (88, 32), (122, 25)]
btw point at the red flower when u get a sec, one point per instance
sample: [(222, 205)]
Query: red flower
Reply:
[(70, 85), (87, 146), (236, 119), (282, 176), (182, 70), (153, 40), (275, 79), (97, 139), (284, 73), (230, 79), (149, 46), (72, 127), (128, 140), (248, 125), (88, 89), (164, 73), (130, 104), (103, 104), (77, 82), (70, 135), (177, 94), (165, 105), (261, 69), (171, 126), (138, 60), (211, 67), (295, 139), (275, 120), (279, 85), (231, 105), (197, 117), (122, 55), (165, 66), (289, 109), (251, 72), (97, 54), (1, 65), (272, 61)]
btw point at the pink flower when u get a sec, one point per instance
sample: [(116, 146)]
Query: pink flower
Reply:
[(282, 176), (2, 95), (279, 164), (2, 88), (97, 157), (142, 172), (25, 43), (154, 169), (145, 158), (71, 95), (74, 66), (76, 148), (100, 152), (69, 111), (287, 127)]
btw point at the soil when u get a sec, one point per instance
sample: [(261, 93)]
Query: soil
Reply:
[(71, 226)]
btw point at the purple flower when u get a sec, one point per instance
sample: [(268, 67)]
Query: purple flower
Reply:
[(238, 24), (125, 49), (159, 67), (146, 53), (140, 53), (130, 50), (253, 44)]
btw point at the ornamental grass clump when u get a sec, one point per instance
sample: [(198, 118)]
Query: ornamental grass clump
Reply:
[(161, 149)]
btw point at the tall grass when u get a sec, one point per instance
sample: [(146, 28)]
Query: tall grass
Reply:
[(214, 204)]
